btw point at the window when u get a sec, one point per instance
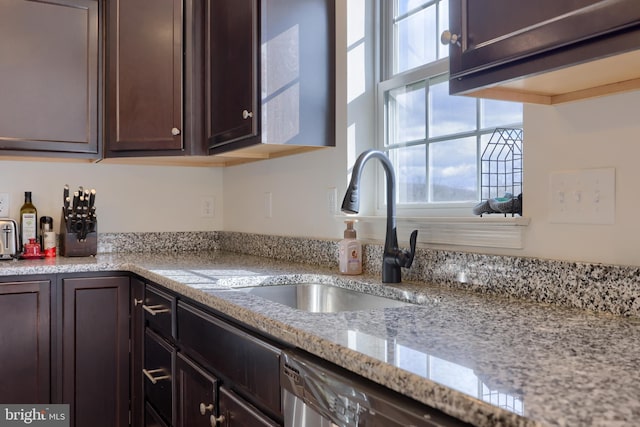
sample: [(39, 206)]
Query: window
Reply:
[(434, 140)]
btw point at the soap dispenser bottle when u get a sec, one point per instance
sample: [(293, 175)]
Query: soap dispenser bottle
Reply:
[(350, 251)]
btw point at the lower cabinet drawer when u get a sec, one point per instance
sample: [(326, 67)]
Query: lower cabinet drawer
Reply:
[(250, 364), (159, 311), (159, 362)]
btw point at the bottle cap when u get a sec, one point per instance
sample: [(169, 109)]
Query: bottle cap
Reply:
[(350, 232), (46, 223)]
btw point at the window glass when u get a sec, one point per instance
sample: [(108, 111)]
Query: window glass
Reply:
[(450, 114), (500, 113), (443, 20), (453, 170), (404, 6), (434, 140), (407, 120), (416, 41), (410, 164)]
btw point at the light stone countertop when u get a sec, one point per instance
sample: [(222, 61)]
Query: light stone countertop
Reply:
[(488, 360)]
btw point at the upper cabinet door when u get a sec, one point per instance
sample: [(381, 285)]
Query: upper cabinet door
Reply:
[(271, 76), (498, 41), (232, 51), (49, 72), (144, 87), (495, 32)]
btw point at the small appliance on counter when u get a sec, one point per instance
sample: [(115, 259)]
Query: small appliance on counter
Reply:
[(78, 224), (8, 238)]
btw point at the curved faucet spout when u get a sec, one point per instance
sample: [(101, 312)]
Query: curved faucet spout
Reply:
[(393, 257)]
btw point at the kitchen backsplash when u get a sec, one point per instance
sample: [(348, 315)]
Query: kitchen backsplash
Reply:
[(151, 242), (598, 287)]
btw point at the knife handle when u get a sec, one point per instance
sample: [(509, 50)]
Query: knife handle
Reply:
[(76, 197), (92, 198)]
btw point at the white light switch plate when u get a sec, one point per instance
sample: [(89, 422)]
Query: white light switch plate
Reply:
[(207, 207), (585, 196)]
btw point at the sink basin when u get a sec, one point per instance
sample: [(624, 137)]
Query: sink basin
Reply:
[(321, 298)]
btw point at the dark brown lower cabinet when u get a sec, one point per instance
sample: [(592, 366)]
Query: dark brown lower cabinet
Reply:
[(236, 412), (195, 369), (24, 342), (94, 342), (196, 395), (243, 359)]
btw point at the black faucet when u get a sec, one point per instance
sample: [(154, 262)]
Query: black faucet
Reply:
[(393, 257)]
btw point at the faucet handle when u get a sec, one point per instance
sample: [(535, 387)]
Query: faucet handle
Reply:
[(405, 257)]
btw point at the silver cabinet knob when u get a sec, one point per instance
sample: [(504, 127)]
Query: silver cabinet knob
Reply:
[(448, 38), (246, 114), (204, 408), (175, 131), (215, 420)]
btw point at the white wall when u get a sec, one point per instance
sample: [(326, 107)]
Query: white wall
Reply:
[(129, 198), (599, 133)]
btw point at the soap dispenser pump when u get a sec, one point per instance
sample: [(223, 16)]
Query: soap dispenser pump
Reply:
[(350, 251)]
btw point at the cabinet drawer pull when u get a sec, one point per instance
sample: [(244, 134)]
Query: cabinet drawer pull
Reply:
[(154, 380), (175, 131), (246, 114), (155, 309), (215, 420), (448, 38), (137, 302), (204, 408)]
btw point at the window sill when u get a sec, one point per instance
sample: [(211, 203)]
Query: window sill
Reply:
[(492, 231)]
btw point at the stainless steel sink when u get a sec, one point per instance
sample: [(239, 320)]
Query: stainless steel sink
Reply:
[(321, 298)]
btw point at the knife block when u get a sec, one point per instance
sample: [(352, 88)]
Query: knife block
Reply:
[(71, 246)]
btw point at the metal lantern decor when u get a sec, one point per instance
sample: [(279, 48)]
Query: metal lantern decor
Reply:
[(501, 174)]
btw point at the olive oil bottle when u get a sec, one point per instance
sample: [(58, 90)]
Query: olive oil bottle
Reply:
[(28, 220)]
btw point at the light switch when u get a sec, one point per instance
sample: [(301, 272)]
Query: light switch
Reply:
[(585, 196)]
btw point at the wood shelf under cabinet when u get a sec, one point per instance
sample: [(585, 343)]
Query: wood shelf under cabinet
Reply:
[(607, 76), (230, 158)]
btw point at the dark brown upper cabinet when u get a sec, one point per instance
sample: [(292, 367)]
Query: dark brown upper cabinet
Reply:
[(270, 76), (50, 74), (154, 78), (545, 51), (233, 42)]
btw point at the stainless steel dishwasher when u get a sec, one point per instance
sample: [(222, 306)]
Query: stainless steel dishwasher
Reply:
[(316, 393)]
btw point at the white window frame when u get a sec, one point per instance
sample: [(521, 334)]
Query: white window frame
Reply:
[(440, 223)]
